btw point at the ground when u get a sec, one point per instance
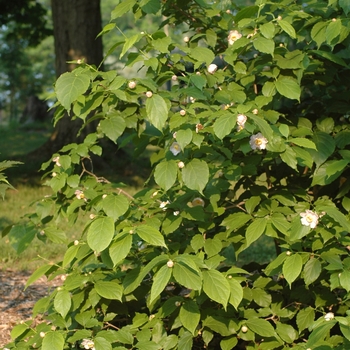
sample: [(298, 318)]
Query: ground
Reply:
[(16, 304)]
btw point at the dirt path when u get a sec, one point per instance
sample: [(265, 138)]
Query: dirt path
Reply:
[(16, 304)]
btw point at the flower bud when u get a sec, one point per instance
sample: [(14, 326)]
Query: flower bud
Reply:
[(212, 68), (244, 329), (149, 94), (170, 263), (132, 84)]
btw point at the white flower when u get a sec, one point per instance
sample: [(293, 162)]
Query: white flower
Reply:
[(182, 112), (88, 344), (309, 218), (198, 202), (241, 119), (57, 161), (163, 205), (175, 148), (329, 316), (212, 68), (258, 141), (79, 194), (176, 212), (192, 99), (233, 36), (132, 84)]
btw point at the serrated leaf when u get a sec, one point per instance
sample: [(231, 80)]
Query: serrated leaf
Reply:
[(216, 286), (286, 332), (165, 174), (305, 318), (115, 205), (318, 33), (157, 111), (187, 276), (101, 343), (255, 230), (37, 274), (185, 341), (235, 221), (328, 172), (263, 126), (160, 281), (150, 6), (345, 5), (150, 235), (264, 45), (289, 157), (319, 333), (302, 142), (224, 125), (113, 127), (292, 267), (62, 302), (288, 87), (53, 340), (120, 248), (69, 86), (325, 146), (196, 174), (100, 233), (109, 290), (236, 295), (198, 81), (123, 7), (189, 315), (184, 137), (202, 55), (261, 327), (267, 30), (312, 271), (287, 27), (344, 278), (333, 30)]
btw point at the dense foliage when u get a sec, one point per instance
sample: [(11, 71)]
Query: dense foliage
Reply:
[(252, 140)]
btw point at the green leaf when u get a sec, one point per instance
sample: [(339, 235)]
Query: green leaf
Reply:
[(286, 332), (185, 341), (255, 230), (109, 290), (264, 45), (267, 30), (302, 142), (335, 214), (216, 286), (37, 274), (344, 278), (288, 28), (190, 315), (184, 137), (113, 127), (160, 281), (162, 44), (100, 233), (212, 246), (236, 295), (102, 344), (318, 33), (150, 6), (202, 55), (247, 12), (330, 57), (198, 81), (228, 343), (288, 87), (263, 126), (165, 174), (62, 302), (320, 333), (150, 235), (289, 157), (115, 205), (120, 248), (292, 267), (129, 43), (196, 174), (235, 221), (345, 5), (333, 30), (325, 146), (261, 327), (69, 86), (186, 275), (305, 318), (53, 340), (123, 7), (211, 37), (157, 111), (224, 125), (312, 271)]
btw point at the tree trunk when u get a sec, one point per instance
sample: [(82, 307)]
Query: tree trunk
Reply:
[(76, 25)]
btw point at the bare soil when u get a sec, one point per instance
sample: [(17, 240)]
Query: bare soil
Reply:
[(16, 304)]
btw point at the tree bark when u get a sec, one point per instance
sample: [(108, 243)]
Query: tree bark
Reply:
[(76, 26)]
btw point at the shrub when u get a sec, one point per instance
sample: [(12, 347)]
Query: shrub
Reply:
[(252, 140)]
